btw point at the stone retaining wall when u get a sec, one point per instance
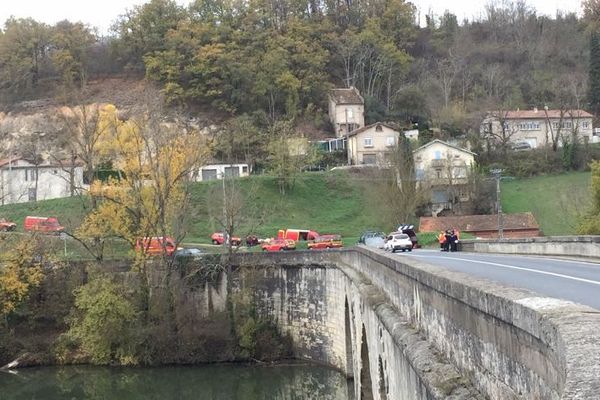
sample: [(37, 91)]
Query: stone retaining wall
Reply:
[(574, 246)]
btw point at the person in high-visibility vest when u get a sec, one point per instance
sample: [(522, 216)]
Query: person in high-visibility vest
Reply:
[(442, 239)]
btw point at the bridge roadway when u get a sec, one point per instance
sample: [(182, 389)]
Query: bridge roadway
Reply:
[(574, 280)]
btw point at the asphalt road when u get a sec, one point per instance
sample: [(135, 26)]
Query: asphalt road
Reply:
[(577, 281)]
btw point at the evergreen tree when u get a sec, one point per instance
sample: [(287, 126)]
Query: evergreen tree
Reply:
[(594, 73)]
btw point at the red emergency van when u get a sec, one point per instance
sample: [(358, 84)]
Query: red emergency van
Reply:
[(42, 224), (156, 245)]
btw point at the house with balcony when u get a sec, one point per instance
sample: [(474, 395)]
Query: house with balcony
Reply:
[(346, 110), (371, 145), (537, 127), (444, 169)]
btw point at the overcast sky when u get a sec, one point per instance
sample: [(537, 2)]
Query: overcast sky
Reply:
[(101, 13)]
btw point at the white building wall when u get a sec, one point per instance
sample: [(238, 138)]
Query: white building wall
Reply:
[(372, 142), (537, 132), (53, 182), (218, 171)]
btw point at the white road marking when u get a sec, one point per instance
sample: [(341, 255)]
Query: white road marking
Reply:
[(574, 278), (588, 264)]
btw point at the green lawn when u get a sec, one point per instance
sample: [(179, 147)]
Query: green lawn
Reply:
[(556, 201), (332, 202)]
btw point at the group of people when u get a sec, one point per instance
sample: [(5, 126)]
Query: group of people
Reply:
[(449, 240)]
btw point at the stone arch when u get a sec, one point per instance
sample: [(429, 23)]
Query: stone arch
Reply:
[(366, 386), (349, 351), (383, 387)]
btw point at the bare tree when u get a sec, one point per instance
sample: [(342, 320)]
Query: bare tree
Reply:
[(397, 186), (84, 127), (498, 127)]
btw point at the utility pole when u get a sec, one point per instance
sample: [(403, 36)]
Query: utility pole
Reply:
[(497, 174)]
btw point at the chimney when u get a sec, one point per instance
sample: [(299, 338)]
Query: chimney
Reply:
[(535, 109)]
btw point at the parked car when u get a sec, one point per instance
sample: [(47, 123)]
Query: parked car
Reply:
[(252, 240), (410, 231), (155, 245), (279, 245), (398, 241), (372, 239), (219, 238), (42, 224), (326, 242), (188, 253), (520, 146), (7, 226), (297, 234)]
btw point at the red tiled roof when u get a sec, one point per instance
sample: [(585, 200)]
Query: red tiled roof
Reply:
[(347, 96), (533, 114), (478, 223), (6, 161)]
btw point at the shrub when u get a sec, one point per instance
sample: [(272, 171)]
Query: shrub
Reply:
[(104, 323)]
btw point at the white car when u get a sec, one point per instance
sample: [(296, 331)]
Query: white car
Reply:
[(398, 241)]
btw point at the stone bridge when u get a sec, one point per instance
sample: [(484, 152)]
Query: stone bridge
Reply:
[(406, 330)]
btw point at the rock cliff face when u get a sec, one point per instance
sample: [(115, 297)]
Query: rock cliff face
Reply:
[(38, 121)]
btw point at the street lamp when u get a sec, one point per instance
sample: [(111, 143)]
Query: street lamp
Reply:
[(497, 174)]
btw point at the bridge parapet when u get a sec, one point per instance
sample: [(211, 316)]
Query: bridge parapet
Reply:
[(570, 246)]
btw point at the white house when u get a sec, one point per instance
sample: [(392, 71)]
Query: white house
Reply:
[(346, 110), (218, 171), (444, 168), (18, 183)]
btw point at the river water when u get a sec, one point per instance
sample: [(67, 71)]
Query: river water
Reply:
[(212, 382)]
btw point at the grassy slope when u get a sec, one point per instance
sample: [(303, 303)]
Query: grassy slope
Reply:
[(556, 201), (325, 202), (338, 203)]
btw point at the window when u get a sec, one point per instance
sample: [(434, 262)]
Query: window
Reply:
[(369, 159), (420, 174), (460, 172), (563, 125), (438, 173), (32, 195), (390, 141), (244, 169), (349, 114), (368, 142), (378, 128), (585, 125), (437, 155), (30, 174), (529, 126)]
